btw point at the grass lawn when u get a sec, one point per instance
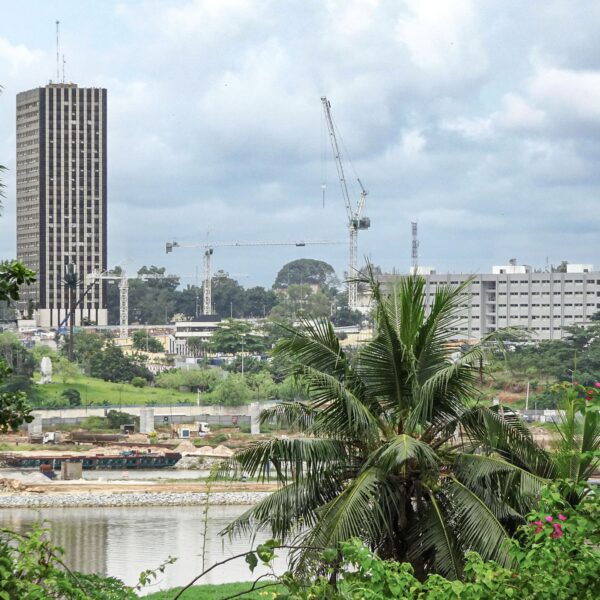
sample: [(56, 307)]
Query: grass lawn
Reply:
[(100, 392), (215, 592)]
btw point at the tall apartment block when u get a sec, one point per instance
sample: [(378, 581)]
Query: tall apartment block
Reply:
[(61, 197), (544, 303)]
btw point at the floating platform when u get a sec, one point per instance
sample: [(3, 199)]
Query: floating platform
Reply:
[(123, 461)]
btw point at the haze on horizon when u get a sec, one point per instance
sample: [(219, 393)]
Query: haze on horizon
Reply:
[(479, 120)]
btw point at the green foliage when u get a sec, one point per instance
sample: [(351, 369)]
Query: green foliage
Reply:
[(138, 382), (112, 365), (231, 335), (72, 397), (233, 391), (94, 423), (20, 360), (31, 568), (301, 300), (555, 556), (203, 380), (13, 275), (65, 370), (142, 340), (378, 460), (216, 592), (86, 345), (575, 357), (115, 419), (306, 271), (14, 408)]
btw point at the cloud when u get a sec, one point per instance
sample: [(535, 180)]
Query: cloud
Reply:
[(485, 132)]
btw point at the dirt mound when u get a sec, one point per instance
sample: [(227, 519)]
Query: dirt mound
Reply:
[(186, 447)]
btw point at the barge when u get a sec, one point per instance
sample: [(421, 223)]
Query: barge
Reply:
[(124, 461)]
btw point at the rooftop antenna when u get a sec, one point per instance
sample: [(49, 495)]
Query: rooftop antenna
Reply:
[(57, 51), (64, 62), (415, 247)]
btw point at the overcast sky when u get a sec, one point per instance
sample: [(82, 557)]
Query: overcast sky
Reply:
[(480, 120)]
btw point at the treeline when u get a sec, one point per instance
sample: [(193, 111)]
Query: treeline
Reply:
[(303, 286)]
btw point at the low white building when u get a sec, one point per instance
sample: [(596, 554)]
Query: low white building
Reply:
[(545, 303), (203, 328)]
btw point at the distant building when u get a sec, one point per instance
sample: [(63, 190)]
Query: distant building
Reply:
[(61, 197), (516, 296), (202, 328)]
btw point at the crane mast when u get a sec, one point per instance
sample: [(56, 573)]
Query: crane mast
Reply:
[(208, 252), (123, 282), (355, 219)]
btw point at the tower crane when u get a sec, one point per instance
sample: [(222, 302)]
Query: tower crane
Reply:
[(208, 252), (355, 219), (123, 282)]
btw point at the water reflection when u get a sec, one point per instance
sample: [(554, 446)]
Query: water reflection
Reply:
[(123, 541)]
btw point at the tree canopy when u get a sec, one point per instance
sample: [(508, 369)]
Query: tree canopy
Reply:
[(306, 271)]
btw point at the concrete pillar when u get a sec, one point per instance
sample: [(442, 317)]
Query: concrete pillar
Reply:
[(36, 426), (146, 420), (254, 412), (71, 470)]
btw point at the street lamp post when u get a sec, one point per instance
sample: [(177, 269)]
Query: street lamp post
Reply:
[(243, 335)]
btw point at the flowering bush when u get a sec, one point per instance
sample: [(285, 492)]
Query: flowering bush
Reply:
[(555, 556)]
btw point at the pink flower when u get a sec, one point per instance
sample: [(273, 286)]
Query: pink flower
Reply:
[(561, 517), (558, 532), (539, 526), (597, 384), (549, 519)]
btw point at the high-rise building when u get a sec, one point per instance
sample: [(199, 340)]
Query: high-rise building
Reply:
[(61, 197)]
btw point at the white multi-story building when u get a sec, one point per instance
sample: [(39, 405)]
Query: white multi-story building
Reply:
[(61, 197), (516, 296)]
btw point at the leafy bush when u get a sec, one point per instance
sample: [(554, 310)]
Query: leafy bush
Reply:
[(112, 365), (32, 568), (554, 557), (72, 397), (138, 382), (115, 419), (93, 423)]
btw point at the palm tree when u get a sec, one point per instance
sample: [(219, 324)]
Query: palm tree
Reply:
[(394, 447)]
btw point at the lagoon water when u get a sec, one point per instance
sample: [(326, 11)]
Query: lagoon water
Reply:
[(123, 541)]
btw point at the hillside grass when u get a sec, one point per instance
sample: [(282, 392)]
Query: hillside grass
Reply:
[(215, 592), (99, 392)]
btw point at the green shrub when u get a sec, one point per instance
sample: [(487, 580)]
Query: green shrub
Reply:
[(72, 397), (93, 424), (138, 382)]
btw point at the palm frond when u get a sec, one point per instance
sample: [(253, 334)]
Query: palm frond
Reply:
[(295, 456), (353, 513), (476, 525), (433, 534), (342, 413), (314, 345), (291, 508), (289, 415), (494, 429), (395, 454)]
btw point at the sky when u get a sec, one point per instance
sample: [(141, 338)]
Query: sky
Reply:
[(478, 119)]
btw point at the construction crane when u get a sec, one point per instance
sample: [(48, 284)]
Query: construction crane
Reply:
[(355, 219), (123, 282), (208, 252)]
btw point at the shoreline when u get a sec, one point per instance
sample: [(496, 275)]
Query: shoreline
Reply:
[(126, 498)]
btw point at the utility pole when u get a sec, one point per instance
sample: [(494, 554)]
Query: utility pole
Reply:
[(71, 282)]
